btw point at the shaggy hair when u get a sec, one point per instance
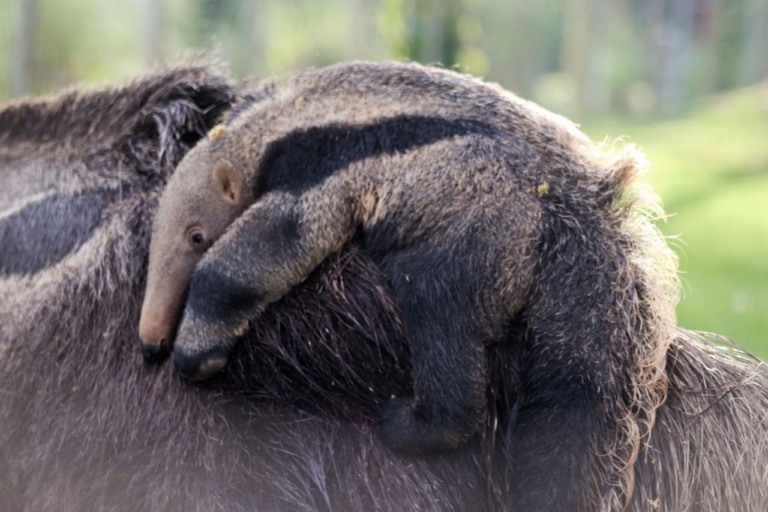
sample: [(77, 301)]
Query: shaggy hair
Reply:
[(679, 424), (87, 425)]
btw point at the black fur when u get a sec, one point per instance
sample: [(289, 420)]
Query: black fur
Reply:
[(213, 296), (306, 157), (74, 217)]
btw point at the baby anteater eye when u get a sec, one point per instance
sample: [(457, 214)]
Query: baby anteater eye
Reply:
[(196, 238)]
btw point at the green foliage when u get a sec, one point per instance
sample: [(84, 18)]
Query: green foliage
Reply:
[(392, 26), (711, 170), (105, 29)]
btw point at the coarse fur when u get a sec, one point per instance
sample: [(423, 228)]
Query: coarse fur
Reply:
[(86, 425), (66, 158), (290, 425), (471, 201)]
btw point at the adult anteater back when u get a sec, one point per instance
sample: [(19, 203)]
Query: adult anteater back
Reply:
[(291, 424)]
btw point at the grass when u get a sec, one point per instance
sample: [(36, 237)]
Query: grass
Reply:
[(710, 168)]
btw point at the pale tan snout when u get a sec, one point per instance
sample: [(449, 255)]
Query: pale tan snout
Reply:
[(156, 338), (164, 300), (157, 327)]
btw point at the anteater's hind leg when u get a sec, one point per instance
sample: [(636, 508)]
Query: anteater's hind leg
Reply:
[(448, 359)]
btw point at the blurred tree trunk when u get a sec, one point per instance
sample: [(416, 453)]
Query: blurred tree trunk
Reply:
[(24, 72), (433, 31), (585, 59), (522, 56), (680, 31), (709, 41), (154, 31), (252, 61), (596, 94), (654, 44), (363, 27), (670, 35), (452, 11), (754, 65), (666, 42), (575, 48)]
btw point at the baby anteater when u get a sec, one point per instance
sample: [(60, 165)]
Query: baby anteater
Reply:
[(443, 180)]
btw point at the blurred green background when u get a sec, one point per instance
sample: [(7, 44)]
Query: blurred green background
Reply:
[(685, 80)]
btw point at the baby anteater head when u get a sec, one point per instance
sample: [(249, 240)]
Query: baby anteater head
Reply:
[(201, 199)]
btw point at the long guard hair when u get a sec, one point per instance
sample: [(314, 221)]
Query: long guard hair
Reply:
[(291, 424)]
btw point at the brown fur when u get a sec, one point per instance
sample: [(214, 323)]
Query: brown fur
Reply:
[(84, 424), (441, 176)]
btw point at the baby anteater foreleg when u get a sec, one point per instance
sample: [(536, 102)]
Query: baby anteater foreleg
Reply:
[(272, 247)]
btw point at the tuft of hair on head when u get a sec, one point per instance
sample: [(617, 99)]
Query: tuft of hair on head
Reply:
[(216, 132)]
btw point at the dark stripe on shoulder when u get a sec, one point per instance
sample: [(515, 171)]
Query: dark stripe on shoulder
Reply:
[(44, 232), (306, 157), (213, 296)]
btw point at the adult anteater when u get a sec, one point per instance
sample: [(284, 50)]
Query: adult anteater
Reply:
[(595, 400)]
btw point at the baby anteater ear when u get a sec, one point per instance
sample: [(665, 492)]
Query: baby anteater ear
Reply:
[(228, 182)]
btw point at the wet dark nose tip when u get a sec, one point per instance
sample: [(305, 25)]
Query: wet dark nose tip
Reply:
[(156, 353)]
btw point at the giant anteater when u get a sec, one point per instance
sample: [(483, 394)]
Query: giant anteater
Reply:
[(595, 400)]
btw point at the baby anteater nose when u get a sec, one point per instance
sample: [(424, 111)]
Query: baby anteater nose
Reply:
[(156, 353), (199, 366)]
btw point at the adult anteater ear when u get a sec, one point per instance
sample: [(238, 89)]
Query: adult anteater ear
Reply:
[(228, 182)]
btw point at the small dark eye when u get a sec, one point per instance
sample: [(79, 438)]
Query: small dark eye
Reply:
[(196, 238)]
